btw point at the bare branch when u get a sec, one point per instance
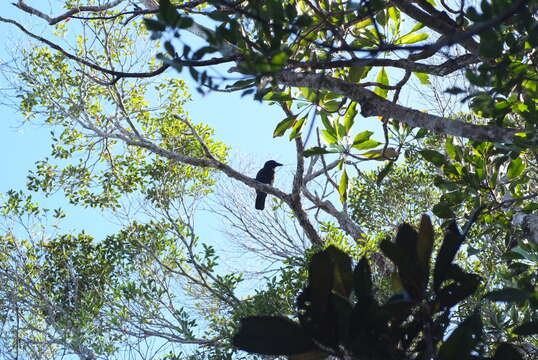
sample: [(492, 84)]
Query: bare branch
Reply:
[(54, 20)]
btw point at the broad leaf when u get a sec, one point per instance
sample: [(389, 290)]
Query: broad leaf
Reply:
[(507, 351), (528, 328), (463, 341), (284, 125), (508, 295), (316, 150), (272, 335), (342, 187), (515, 168), (447, 252), (362, 280), (382, 78)]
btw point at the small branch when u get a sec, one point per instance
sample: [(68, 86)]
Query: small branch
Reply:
[(54, 20), (201, 141)]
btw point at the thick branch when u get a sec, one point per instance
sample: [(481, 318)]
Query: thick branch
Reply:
[(435, 23), (342, 217), (445, 68), (374, 105)]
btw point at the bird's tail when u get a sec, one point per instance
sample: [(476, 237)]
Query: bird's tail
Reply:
[(260, 200)]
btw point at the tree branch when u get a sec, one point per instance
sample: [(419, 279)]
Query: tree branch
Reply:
[(445, 68), (54, 20), (374, 105)]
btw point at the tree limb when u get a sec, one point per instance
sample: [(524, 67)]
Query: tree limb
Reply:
[(445, 68), (374, 105)]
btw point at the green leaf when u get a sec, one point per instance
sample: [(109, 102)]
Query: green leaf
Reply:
[(356, 73), (327, 123), (350, 116), (463, 341), (320, 280), (423, 78), (362, 137), (425, 246), (446, 254), (442, 210), (332, 106), (316, 150), (367, 144), (528, 328), (382, 78), (272, 335), (296, 131), (154, 25), (507, 351), (394, 15), (362, 280), (277, 96), (329, 138), (284, 125), (412, 38), (342, 187), (342, 275), (515, 168), (434, 157), (450, 149), (508, 295)]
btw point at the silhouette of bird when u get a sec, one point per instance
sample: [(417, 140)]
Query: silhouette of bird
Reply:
[(266, 175)]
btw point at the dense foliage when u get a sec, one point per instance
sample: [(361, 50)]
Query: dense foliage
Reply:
[(395, 108)]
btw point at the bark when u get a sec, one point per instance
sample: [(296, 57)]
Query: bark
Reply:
[(374, 105)]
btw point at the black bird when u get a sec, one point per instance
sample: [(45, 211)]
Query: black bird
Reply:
[(266, 175)]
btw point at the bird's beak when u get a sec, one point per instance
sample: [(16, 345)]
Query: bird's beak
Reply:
[(278, 164)]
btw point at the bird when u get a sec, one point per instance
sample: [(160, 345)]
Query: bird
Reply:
[(266, 175)]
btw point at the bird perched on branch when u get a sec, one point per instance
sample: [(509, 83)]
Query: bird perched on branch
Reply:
[(266, 175)]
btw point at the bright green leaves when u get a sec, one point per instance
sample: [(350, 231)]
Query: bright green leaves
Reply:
[(516, 168), (297, 127), (342, 187), (284, 125), (412, 38), (424, 79), (383, 79)]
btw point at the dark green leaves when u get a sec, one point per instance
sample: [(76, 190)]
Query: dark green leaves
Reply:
[(507, 351), (508, 295), (272, 335), (362, 281), (528, 328), (449, 248), (316, 150), (463, 341)]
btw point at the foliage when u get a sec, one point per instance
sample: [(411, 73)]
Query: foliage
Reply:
[(339, 315), (121, 136)]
